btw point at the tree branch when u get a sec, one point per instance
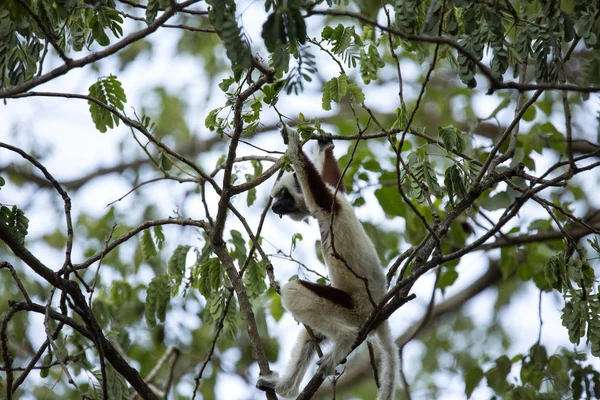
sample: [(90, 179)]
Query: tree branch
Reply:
[(63, 69), (451, 305), (81, 307), (495, 84)]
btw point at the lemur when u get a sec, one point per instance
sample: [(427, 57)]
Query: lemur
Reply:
[(334, 311)]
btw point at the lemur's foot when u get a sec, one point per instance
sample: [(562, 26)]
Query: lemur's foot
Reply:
[(294, 147), (283, 387), (265, 382)]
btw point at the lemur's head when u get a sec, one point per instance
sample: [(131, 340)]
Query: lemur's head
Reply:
[(288, 198)]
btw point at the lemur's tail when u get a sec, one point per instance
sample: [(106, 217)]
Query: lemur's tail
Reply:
[(390, 363)]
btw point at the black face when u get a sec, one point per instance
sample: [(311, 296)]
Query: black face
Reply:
[(284, 203)]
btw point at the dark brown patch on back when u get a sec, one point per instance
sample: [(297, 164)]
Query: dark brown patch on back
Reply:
[(335, 295)]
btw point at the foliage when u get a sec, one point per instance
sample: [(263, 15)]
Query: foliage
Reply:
[(575, 279), (109, 92), (15, 220), (222, 17), (177, 279), (337, 88)]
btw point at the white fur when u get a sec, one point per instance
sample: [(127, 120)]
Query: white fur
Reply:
[(338, 323)]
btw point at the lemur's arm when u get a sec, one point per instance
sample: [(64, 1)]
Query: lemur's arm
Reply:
[(330, 169), (316, 192)]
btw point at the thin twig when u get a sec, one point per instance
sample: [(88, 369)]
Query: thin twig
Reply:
[(67, 205)]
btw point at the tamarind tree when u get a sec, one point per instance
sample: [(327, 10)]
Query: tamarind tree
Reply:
[(140, 140)]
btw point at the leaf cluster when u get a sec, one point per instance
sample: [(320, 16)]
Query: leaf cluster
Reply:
[(65, 24), (424, 177), (15, 220), (337, 88), (109, 91), (345, 42), (222, 17), (284, 31), (305, 67), (575, 279)]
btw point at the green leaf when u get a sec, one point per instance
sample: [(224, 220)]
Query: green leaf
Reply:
[(339, 90), (239, 245), (424, 175), (216, 274), (109, 92), (390, 201), (148, 249), (472, 379), (335, 90), (456, 184), (453, 138), (44, 372), (254, 278), (275, 307), (370, 63), (251, 198), (176, 265), (529, 114), (164, 163), (357, 94), (523, 393), (152, 9), (340, 37), (222, 15), (163, 296), (595, 244), (574, 318), (555, 272), (19, 53), (508, 264), (16, 221), (296, 26), (406, 15), (211, 119), (226, 83), (326, 98), (497, 202), (447, 278), (271, 31), (496, 376), (203, 276), (555, 364), (159, 236), (154, 294), (451, 22)]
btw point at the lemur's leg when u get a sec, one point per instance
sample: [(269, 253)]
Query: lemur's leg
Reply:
[(316, 192), (302, 353), (327, 310)]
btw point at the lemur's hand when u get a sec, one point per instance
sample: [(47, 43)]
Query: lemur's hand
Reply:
[(325, 142), (294, 147)]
